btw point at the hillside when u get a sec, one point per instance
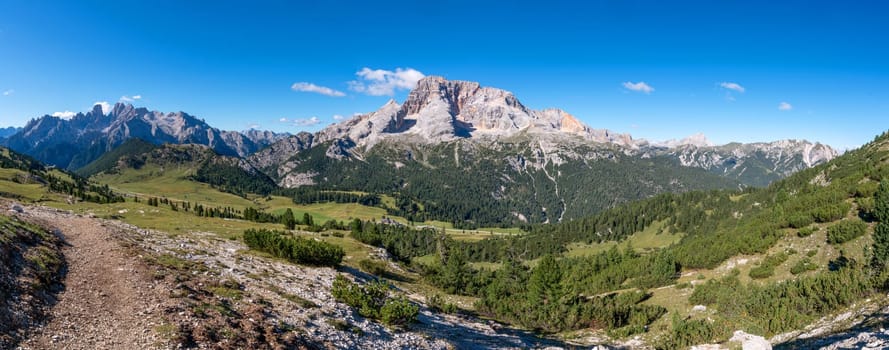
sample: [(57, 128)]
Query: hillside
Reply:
[(765, 261), (131, 149)]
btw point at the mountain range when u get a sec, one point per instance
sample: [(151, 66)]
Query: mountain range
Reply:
[(453, 151), (75, 142)]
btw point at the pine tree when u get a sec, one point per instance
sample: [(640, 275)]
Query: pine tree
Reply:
[(881, 231), (288, 220)]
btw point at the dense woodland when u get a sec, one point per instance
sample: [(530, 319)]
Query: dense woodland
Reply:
[(459, 191)]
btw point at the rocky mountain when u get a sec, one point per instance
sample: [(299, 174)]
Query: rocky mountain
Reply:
[(8, 131), (439, 110), (523, 165), (756, 164), (73, 143)]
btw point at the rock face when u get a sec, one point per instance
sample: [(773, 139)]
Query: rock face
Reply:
[(77, 141), (440, 111), (755, 163)]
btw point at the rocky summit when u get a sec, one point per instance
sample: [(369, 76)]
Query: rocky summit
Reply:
[(440, 112), (73, 143)]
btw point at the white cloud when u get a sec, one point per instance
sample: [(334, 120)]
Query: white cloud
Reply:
[(338, 117), (283, 119), (784, 106), (380, 82), (307, 121), (638, 87), (106, 107), (732, 86), (309, 87), (8, 92), (130, 99), (252, 126), (64, 115)]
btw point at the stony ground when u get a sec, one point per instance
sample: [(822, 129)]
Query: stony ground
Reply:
[(108, 300), (130, 288)]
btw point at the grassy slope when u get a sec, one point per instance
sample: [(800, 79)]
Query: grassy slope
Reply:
[(173, 183)]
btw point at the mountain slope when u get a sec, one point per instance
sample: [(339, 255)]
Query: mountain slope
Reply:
[(756, 164), (131, 148), (75, 142), (136, 162), (523, 165)]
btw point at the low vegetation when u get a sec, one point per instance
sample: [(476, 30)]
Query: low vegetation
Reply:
[(294, 249), (375, 300)]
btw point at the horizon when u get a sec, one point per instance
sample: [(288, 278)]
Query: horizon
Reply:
[(736, 72)]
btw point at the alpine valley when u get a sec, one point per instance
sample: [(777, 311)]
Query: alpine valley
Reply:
[(454, 151), (457, 219)]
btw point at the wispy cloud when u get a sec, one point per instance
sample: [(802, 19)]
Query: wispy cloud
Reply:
[(784, 106), (309, 87), (311, 121), (307, 121), (252, 126), (130, 99), (380, 82), (732, 86), (638, 87), (64, 115), (8, 92), (338, 117)]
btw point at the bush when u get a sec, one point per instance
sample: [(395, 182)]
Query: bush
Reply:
[(373, 301), (373, 267), (294, 249), (805, 231), (767, 268), (831, 212), (803, 265), (438, 303), (845, 231), (800, 221), (399, 311), (688, 332)]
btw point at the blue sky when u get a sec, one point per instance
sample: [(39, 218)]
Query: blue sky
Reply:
[(235, 63)]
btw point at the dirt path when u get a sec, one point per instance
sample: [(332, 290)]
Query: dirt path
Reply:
[(109, 301)]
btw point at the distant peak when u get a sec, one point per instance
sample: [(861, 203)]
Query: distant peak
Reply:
[(697, 140), (120, 108), (98, 110)]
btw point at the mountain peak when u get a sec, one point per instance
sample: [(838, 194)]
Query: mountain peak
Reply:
[(438, 110), (98, 109), (697, 140)]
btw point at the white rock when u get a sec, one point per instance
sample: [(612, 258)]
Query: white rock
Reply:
[(751, 341)]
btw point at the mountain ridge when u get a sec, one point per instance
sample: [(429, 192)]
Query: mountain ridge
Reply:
[(440, 111), (75, 142)]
